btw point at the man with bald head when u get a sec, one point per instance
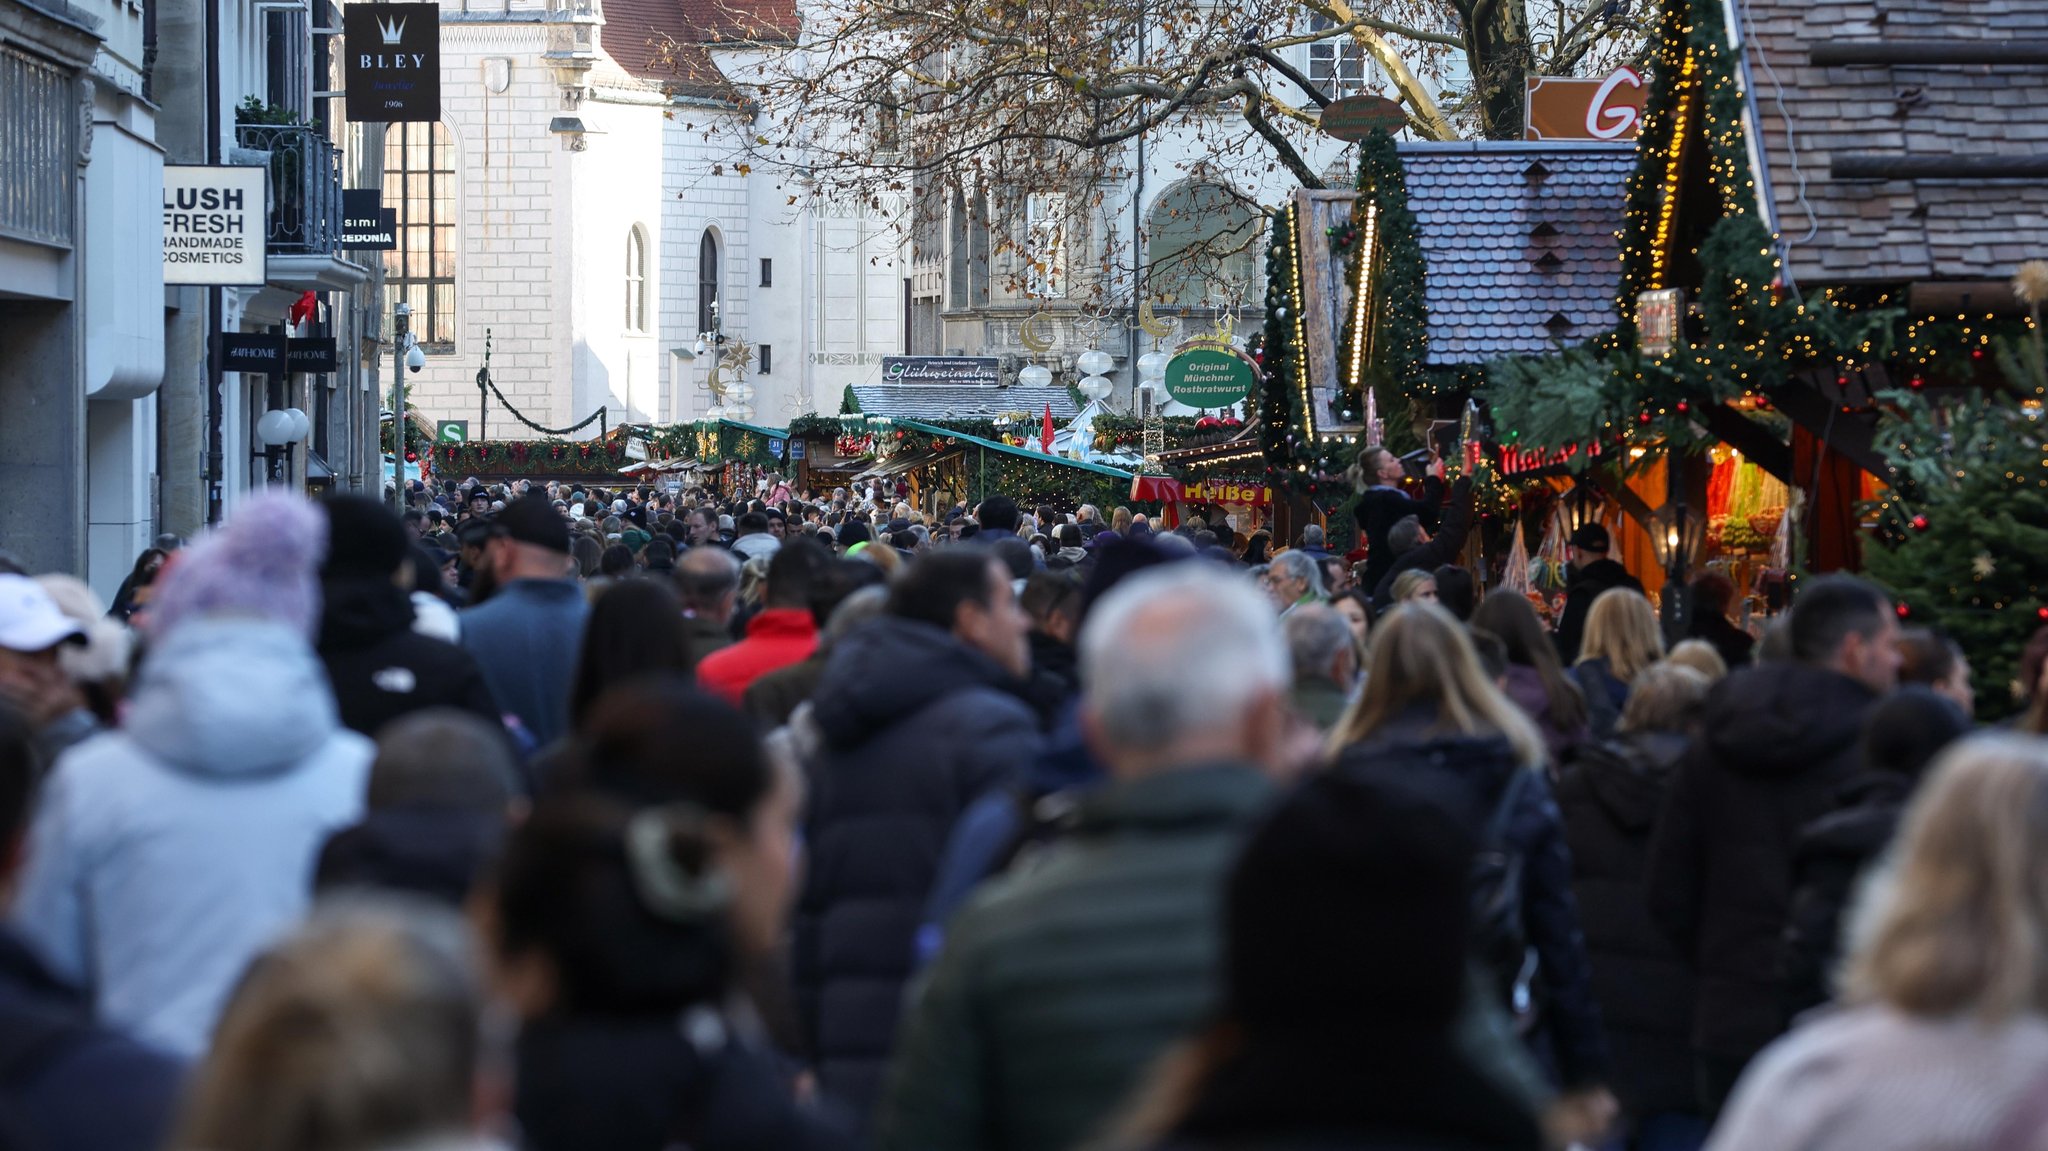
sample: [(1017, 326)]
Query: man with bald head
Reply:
[(708, 582)]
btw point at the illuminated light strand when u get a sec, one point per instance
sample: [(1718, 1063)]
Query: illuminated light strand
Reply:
[(1361, 305)]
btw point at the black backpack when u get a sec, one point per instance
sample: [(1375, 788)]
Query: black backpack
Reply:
[(1500, 938)]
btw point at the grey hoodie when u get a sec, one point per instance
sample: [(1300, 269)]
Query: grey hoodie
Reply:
[(165, 855)]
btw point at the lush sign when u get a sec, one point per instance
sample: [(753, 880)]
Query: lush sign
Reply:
[(214, 225), (1208, 378), (393, 61)]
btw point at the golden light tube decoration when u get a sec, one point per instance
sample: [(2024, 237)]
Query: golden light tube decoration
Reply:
[(1674, 172), (1294, 303), (1361, 303)]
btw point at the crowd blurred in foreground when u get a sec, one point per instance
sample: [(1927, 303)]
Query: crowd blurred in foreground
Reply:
[(550, 818)]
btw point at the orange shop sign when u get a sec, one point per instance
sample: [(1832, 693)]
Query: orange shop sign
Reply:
[(1569, 108)]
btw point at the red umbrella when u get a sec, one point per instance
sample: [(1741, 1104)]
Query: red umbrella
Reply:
[(1045, 431)]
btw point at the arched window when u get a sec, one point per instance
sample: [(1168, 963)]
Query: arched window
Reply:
[(636, 279), (956, 253), (707, 282), (1201, 244), (419, 183)]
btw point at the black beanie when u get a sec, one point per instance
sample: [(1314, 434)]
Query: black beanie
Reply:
[(854, 532), (365, 539), (1347, 915)]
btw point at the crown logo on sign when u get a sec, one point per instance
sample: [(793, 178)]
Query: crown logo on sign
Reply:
[(392, 30)]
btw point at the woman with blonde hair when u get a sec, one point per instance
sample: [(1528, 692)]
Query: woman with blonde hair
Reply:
[(359, 1032), (1700, 656), (1622, 638), (1415, 585), (1944, 1039), (1429, 707)]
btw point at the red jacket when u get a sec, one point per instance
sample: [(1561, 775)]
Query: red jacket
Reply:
[(775, 639)]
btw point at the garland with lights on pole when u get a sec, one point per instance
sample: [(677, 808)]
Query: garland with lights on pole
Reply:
[(1385, 340), (1754, 334)]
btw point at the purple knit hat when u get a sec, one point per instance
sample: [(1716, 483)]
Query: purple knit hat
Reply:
[(263, 563)]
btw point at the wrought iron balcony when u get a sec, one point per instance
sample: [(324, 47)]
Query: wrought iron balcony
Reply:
[(305, 187)]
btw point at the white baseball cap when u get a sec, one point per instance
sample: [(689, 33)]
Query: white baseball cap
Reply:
[(30, 620)]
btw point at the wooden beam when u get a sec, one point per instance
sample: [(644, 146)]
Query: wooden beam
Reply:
[(1972, 298), (1946, 166), (1752, 439), (1918, 53)]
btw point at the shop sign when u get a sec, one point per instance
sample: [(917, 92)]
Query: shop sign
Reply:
[(775, 448), (252, 352), (796, 449), (393, 62), (366, 224), (1657, 318), (1355, 117), (214, 224), (1208, 378), (1571, 108), (451, 431), (310, 355), (1217, 492), (980, 371), (1516, 461)]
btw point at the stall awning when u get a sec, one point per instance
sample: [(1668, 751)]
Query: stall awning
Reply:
[(905, 462)]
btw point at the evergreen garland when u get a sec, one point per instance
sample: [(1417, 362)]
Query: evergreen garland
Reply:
[(1396, 318)]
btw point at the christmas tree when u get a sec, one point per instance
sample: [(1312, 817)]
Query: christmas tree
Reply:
[(1963, 530)]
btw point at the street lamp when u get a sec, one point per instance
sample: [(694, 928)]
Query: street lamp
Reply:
[(1675, 539), (1582, 506), (279, 428)]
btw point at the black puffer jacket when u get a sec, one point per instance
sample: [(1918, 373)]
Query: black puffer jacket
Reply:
[(650, 1084), (1586, 585), (1470, 774), (1610, 798), (914, 726), (381, 669), (1828, 858), (1779, 742)]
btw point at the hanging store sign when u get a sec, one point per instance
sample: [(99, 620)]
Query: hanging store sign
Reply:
[(366, 224), (1570, 108), (980, 371), (214, 224), (1355, 117), (451, 432), (1208, 378), (313, 355), (1207, 492), (393, 62), (253, 352), (1658, 315)]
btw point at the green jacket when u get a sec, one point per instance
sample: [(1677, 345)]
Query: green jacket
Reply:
[(1058, 988), (1319, 700)]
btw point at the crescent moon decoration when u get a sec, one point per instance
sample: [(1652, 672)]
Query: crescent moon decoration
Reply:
[(1025, 336), (1151, 323)]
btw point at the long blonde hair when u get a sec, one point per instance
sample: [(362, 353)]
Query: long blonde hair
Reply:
[(360, 1030), (1960, 923), (1420, 655), (1622, 629)]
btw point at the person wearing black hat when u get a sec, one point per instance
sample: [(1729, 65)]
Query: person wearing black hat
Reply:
[(526, 637), (380, 667), (1591, 573)]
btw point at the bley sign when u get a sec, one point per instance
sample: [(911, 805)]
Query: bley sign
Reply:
[(214, 225), (1208, 378), (393, 61)]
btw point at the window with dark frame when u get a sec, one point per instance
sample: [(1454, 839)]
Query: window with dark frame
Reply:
[(419, 184), (767, 358), (767, 272), (707, 281)]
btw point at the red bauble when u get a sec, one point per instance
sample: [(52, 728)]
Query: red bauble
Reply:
[(1917, 383), (1904, 611), (1920, 523), (1976, 353), (1644, 418), (1683, 406)]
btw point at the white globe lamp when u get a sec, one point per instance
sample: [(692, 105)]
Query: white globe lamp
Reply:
[(1152, 365), (301, 426), (1095, 362), (1095, 387), (274, 428), (1035, 376)]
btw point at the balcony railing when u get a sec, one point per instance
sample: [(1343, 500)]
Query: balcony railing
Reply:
[(305, 188)]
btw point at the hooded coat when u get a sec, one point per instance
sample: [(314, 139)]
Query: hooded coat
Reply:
[(382, 669), (165, 855), (914, 726), (1829, 857), (1780, 740), (1610, 798)]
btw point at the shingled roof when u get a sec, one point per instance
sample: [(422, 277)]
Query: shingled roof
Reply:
[(963, 402), (669, 41), (1521, 241), (1896, 230)]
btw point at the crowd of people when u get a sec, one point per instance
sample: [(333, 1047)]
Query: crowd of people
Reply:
[(545, 816)]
